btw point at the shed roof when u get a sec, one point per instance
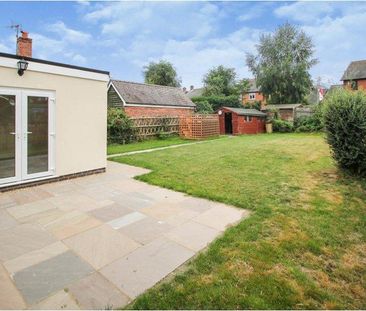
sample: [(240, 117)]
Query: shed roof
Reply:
[(151, 94), (355, 70), (282, 106), (246, 112)]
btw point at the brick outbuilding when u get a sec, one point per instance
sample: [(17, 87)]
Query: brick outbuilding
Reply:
[(149, 100), (239, 121)]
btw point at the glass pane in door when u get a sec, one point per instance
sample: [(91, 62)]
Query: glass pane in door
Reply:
[(7, 136), (37, 134)]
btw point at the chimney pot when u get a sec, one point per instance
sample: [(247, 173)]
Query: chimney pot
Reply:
[(24, 45)]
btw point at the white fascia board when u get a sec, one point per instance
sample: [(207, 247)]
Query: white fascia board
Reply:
[(157, 106), (118, 93), (52, 69)]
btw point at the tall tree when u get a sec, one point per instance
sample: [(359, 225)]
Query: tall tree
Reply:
[(281, 66), (161, 73)]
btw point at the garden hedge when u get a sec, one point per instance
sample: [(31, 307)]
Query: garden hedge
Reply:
[(345, 125)]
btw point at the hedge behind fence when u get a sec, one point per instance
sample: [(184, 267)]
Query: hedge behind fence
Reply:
[(124, 130), (345, 125)]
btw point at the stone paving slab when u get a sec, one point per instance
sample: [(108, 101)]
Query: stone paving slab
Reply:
[(22, 239), (101, 245), (34, 257), (95, 292), (10, 297), (99, 241), (146, 266), (39, 281), (6, 221), (59, 301), (193, 235)]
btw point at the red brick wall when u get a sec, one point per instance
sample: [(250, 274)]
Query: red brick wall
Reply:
[(155, 112), (258, 97), (286, 114), (24, 45), (240, 126), (255, 126), (360, 83)]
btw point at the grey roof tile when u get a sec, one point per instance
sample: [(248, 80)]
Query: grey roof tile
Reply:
[(355, 70), (151, 94)]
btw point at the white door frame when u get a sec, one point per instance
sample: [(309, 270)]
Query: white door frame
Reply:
[(17, 134), (21, 146)]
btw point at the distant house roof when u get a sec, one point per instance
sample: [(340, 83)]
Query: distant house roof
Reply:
[(355, 70), (246, 112), (151, 94), (253, 86), (195, 92), (335, 87), (282, 106)]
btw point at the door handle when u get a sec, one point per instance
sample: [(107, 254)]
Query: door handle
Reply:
[(29, 133), (12, 133)]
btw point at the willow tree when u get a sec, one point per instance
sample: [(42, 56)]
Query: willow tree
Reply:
[(282, 63)]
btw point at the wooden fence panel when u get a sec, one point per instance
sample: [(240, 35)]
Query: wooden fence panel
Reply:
[(145, 127), (199, 126), (303, 112)]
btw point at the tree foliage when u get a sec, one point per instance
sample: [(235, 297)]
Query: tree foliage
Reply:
[(281, 66), (221, 81), (217, 101), (161, 73)]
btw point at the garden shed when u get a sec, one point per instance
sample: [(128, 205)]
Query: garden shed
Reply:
[(237, 121)]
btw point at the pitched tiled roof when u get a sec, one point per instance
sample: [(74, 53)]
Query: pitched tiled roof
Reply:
[(195, 92), (151, 94), (253, 86), (246, 112), (355, 70)]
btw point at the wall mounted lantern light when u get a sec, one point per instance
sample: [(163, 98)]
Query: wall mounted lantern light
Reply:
[(22, 66)]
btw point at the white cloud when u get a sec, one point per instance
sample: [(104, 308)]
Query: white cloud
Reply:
[(253, 12), (64, 44), (155, 19), (305, 11), (4, 48), (68, 34)]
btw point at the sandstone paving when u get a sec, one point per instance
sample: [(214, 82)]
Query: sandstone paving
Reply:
[(99, 241)]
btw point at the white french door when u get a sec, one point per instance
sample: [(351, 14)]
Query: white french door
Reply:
[(27, 134)]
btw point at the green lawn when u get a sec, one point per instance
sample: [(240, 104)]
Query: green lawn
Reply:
[(146, 144), (304, 245)]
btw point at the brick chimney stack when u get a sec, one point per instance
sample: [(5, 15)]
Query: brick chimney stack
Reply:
[(24, 45)]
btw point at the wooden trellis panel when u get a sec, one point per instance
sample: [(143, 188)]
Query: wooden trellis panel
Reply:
[(151, 126), (199, 126)]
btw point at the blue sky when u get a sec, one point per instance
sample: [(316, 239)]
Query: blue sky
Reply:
[(122, 37)]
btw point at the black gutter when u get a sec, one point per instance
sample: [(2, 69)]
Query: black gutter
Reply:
[(46, 62)]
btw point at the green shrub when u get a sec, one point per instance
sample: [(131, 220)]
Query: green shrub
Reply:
[(312, 123), (204, 107), (254, 105), (218, 101), (119, 127), (345, 125), (282, 126)]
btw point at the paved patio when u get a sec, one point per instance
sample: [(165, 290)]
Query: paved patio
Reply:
[(97, 242)]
